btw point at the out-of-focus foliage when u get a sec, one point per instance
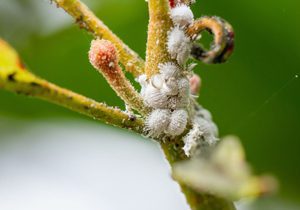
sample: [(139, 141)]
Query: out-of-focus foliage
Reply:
[(225, 172), (255, 95)]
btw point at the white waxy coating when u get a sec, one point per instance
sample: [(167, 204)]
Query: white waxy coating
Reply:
[(178, 122), (157, 81), (168, 92), (182, 15), (179, 45), (154, 98), (203, 134), (168, 70), (184, 87), (170, 87), (158, 121)]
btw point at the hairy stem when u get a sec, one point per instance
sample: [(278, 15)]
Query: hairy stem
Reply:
[(159, 25), (25, 83), (103, 56), (86, 19)]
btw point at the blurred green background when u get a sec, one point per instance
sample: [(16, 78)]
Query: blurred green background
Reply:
[(255, 95)]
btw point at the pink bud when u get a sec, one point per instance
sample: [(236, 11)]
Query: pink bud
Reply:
[(103, 56), (195, 84)]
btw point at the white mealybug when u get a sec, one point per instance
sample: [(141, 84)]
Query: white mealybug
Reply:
[(179, 45), (182, 99), (170, 87), (154, 98), (158, 121), (174, 103), (202, 136), (190, 140), (182, 15), (157, 81), (209, 131), (169, 69), (178, 122), (205, 114), (184, 87), (178, 102)]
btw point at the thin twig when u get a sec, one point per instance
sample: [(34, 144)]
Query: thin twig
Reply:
[(103, 56), (25, 83)]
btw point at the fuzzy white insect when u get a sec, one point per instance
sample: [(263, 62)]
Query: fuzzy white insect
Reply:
[(158, 121), (157, 81), (208, 129), (178, 122), (168, 92), (170, 87), (178, 102), (190, 140), (203, 134), (204, 113), (154, 98), (179, 45), (182, 99), (174, 103), (184, 87), (182, 15), (169, 69)]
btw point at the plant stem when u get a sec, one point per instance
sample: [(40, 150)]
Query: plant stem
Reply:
[(159, 25), (174, 153), (26, 83), (86, 19), (103, 56)]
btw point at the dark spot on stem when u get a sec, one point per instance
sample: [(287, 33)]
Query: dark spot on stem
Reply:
[(132, 118), (34, 84), (11, 77)]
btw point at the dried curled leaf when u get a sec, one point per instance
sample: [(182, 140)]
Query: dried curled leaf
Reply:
[(224, 173)]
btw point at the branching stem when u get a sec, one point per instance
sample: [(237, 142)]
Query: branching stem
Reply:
[(159, 25), (16, 79), (25, 83)]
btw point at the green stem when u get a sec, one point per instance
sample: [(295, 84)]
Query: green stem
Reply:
[(197, 201), (25, 83), (159, 25)]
